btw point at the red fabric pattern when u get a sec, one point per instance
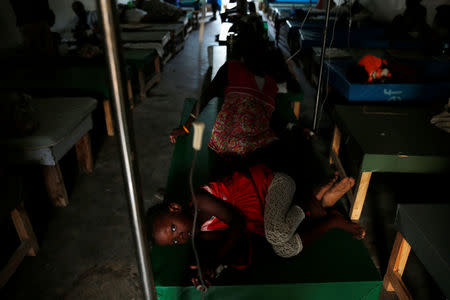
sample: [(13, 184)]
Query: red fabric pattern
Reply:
[(243, 123)]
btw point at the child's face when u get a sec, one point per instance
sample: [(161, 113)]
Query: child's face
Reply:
[(173, 227)]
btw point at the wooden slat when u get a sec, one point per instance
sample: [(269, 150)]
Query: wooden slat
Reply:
[(108, 117), (142, 91), (54, 183), (24, 228), (398, 259), (84, 154), (297, 109), (157, 67), (399, 286), (14, 262), (130, 94), (336, 143), (361, 191)]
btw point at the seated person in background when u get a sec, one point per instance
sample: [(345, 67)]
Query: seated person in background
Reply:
[(158, 11), (257, 202), (85, 28), (249, 87)]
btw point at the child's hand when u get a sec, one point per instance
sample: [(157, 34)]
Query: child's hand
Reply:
[(209, 274), (176, 132)]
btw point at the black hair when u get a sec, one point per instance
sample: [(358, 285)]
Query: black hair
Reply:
[(152, 214), (252, 7), (357, 74)]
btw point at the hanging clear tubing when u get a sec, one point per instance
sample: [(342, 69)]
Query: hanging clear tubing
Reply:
[(322, 56), (126, 143)]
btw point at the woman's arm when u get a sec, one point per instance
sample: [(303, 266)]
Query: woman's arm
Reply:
[(215, 89)]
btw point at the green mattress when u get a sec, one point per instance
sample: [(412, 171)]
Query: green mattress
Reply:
[(334, 267)]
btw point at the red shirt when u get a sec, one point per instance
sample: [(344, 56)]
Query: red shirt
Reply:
[(239, 190)]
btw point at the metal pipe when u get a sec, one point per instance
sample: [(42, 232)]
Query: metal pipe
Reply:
[(126, 142), (322, 56)]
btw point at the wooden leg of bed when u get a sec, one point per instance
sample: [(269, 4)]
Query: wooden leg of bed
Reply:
[(297, 109), (142, 91), (24, 229), (397, 262), (54, 183), (336, 143), (130, 94), (14, 262), (158, 67), (360, 191), (108, 117), (84, 154)]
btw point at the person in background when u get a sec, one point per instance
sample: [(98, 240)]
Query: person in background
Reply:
[(86, 24)]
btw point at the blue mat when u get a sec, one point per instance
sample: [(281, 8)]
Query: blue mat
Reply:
[(365, 37), (437, 86)]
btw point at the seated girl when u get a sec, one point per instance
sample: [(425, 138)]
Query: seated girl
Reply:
[(259, 202)]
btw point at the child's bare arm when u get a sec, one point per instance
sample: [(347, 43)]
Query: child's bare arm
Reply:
[(209, 205)]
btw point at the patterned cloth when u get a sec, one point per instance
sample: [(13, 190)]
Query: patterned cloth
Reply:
[(243, 123)]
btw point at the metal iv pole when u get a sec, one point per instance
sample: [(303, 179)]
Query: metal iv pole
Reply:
[(126, 143)]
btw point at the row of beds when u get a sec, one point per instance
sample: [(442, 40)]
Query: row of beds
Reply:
[(335, 267), (382, 127), (65, 92)]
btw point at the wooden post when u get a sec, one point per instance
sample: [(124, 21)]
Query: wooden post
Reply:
[(130, 94), (336, 143), (24, 229), (396, 266), (142, 91), (14, 262), (84, 154), (361, 191), (108, 117), (54, 183), (297, 109), (158, 67)]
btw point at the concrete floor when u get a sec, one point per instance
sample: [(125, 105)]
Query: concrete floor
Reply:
[(87, 251)]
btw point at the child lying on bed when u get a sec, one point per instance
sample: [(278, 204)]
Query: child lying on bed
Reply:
[(259, 202)]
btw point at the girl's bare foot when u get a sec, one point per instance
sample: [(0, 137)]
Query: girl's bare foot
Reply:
[(322, 190), (337, 191), (353, 228)]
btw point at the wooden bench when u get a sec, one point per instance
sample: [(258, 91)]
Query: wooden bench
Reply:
[(335, 267), (63, 124), (396, 139), (424, 229)]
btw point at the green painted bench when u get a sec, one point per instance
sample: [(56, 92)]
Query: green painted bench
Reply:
[(145, 64), (424, 229), (381, 138), (63, 76), (335, 267)]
